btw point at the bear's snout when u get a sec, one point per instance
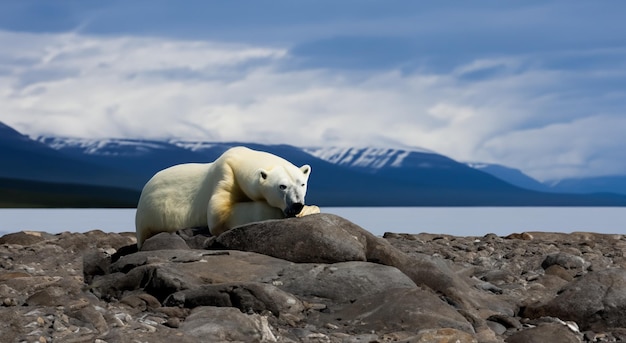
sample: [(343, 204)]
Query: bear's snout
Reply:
[(294, 209)]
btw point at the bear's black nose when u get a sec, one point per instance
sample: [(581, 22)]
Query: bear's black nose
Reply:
[(294, 209)]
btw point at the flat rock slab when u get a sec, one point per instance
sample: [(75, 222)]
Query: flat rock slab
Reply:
[(553, 333), (342, 282), (164, 272), (401, 309), (226, 324)]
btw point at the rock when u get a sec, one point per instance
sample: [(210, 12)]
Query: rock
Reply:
[(342, 282), (225, 324), (247, 297), (95, 263), (24, 238), (163, 272), (401, 309), (160, 273), (197, 237), (90, 316), (446, 335), (567, 261), (507, 322), (164, 241), (329, 238), (560, 272), (50, 296), (311, 239), (498, 277), (595, 301), (141, 301), (552, 332), (96, 287), (523, 236)]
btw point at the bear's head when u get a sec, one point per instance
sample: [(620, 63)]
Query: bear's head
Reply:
[(284, 187)]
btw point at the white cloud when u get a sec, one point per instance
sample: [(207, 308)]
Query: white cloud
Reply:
[(583, 147), (522, 115)]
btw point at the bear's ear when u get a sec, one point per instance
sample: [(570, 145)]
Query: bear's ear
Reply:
[(306, 169), (263, 174)]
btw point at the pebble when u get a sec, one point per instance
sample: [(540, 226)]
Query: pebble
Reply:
[(9, 302), (172, 322)]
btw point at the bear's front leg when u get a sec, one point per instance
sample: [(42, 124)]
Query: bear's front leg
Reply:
[(253, 211), (308, 209)]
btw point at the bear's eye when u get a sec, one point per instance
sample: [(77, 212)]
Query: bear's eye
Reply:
[(283, 187), (302, 185)]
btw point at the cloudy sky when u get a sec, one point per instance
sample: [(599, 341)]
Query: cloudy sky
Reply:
[(535, 85)]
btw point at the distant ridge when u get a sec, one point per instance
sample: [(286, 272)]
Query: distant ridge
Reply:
[(342, 176)]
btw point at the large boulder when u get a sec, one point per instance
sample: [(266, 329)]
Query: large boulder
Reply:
[(595, 301), (296, 268), (311, 239), (165, 272), (327, 238)]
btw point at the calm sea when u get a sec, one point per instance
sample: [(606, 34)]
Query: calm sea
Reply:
[(458, 221)]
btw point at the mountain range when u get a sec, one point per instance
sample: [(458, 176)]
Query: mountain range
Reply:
[(69, 172)]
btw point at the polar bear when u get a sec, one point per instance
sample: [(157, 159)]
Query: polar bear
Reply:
[(240, 187)]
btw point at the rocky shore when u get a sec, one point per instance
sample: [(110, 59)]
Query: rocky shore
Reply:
[(318, 278)]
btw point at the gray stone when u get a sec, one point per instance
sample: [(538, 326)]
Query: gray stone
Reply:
[(310, 239), (567, 261), (96, 262), (43, 295), (164, 241), (141, 301), (226, 324), (401, 309), (444, 335), (49, 296), (329, 238), (90, 316), (342, 282), (595, 301), (25, 237), (551, 332), (247, 297)]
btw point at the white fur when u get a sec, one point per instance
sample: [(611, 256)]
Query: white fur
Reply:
[(240, 187)]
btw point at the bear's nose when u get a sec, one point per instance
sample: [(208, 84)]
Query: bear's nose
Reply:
[(294, 209)]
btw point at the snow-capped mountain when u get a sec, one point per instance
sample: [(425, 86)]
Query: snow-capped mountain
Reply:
[(52, 168)]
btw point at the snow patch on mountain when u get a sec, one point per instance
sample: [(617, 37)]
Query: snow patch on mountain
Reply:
[(369, 157), (477, 165), (193, 145), (102, 147)]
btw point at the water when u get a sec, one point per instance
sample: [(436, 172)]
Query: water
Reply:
[(458, 221)]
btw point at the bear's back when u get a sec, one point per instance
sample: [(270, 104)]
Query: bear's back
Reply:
[(246, 157)]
